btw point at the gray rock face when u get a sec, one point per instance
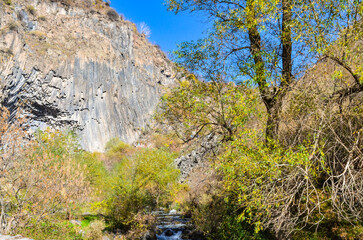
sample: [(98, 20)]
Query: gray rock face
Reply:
[(198, 157), (79, 70)]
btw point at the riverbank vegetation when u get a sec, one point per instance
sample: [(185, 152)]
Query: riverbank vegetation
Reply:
[(51, 189), (289, 159), (279, 85)]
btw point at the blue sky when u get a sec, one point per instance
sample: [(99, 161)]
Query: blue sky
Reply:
[(167, 29)]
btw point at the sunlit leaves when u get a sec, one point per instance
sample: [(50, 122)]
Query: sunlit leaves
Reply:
[(141, 182), (196, 109)]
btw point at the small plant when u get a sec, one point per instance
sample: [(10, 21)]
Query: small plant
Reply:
[(30, 9), (7, 2), (145, 29), (7, 51), (13, 26), (145, 180), (20, 16), (40, 35), (95, 229), (115, 145), (113, 15), (122, 17), (42, 18)]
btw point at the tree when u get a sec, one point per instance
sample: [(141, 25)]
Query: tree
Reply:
[(143, 182), (196, 109), (38, 178), (271, 43), (145, 29)]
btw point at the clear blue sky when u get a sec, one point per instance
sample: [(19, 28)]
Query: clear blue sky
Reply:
[(167, 29)]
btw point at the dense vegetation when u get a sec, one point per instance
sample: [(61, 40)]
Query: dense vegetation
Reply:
[(279, 85), (289, 161), (48, 182)]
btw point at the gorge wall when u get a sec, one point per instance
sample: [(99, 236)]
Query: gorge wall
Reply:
[(82, 68)]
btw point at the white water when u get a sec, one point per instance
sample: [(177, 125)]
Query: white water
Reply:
[(175, 236), (171, 224)]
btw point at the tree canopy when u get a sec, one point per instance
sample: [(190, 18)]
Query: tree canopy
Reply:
[(271, 43)]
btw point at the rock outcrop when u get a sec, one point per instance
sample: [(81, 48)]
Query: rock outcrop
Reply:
[(198, 157), (79, 68)]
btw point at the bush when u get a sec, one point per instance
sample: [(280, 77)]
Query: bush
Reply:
[(37, 178), (94, 231), (42, 18), (116, 150), (53, 229), (142, 183), (115, 145), (64, 2), (113, 15), (168, 141), (30, 9), (13, 26), (7, 2), (39, 34)]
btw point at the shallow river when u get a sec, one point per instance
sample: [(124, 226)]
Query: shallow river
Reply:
[(171, 226)]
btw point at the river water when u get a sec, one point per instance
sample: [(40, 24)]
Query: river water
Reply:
[(171, 226)]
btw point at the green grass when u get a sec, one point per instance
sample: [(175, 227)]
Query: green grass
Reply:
[(88, 219), (56, 230)]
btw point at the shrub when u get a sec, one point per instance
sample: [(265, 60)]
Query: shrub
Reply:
[(143, 182), (13, 26), (115, 151), (122, 17), (113, 15), (94, 231), (7, 2), (168, 141), (144, 29), (39, 34), (30, 9), (115, 145), (64, 2), (55, 229), (42, 18), (37, 178)]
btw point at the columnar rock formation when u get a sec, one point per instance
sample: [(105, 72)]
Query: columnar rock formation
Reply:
[(79, 68)]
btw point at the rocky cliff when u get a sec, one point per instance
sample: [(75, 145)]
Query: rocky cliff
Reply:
[(81, 67)]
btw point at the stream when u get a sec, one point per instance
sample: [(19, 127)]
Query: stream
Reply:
[(172, 226)]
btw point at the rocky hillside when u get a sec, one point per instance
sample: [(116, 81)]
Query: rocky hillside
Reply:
[(79, 66)]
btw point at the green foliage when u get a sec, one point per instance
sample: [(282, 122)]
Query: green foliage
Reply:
[(232, 228), (271, 43), (195, 109), (43, 179), (220, 220), (283, 189), (95, 170), (267, 181), (115, 145), (143, 182), (7, 2), (95, 230), (53, 229)]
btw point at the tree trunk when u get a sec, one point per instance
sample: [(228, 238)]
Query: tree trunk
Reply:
[(272, 96), (274, 103), (272, 125)]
